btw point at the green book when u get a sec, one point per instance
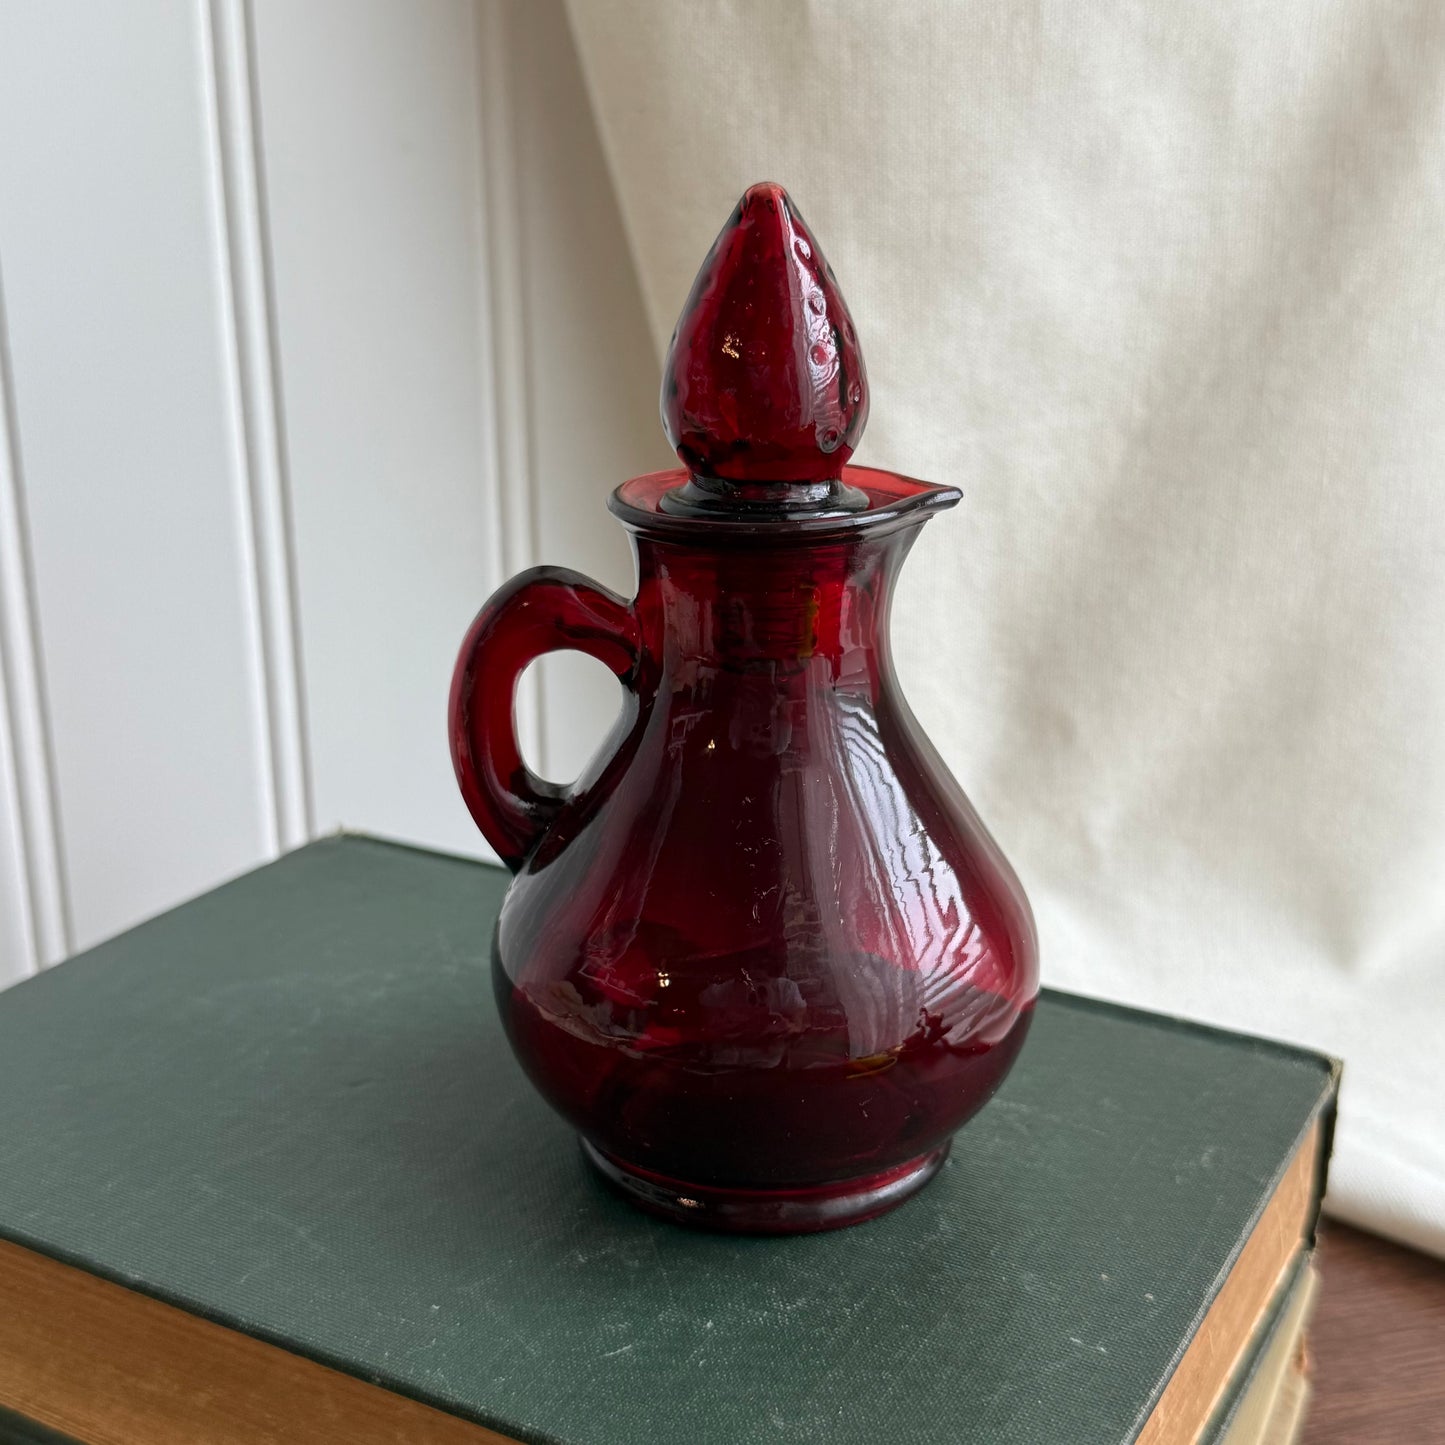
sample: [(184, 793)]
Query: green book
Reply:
[(273, 1143)]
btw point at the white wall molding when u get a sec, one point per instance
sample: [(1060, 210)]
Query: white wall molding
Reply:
[(25, 748), (321, 324), (260, 463), (507, 403)]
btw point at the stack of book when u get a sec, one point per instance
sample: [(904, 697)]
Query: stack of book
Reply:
[(268, 1172)]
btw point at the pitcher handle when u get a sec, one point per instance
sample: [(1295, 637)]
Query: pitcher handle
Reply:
[(545, 609)]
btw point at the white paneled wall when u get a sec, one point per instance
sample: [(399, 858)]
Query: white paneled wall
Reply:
[(125, 435), (317, 320), (33, 925), (369, 124), (34, 928)]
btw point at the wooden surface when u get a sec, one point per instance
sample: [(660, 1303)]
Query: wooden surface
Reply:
[(1378, 1344)]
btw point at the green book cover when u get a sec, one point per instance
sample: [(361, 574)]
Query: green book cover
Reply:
[(288, 1107)]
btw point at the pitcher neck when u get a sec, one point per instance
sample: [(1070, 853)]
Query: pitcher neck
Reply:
[(816, 607)]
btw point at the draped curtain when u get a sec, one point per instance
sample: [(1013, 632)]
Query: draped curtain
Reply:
[(1162, 288)]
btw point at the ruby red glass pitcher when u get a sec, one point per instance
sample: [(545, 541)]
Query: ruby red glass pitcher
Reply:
[(763, 955)]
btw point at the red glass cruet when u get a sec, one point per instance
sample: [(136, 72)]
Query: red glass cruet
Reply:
[(763, 954)]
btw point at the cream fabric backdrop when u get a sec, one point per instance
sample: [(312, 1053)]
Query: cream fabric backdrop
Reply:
[(1163, 289)]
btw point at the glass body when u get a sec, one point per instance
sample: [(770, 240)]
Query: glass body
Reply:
[(763, 956)]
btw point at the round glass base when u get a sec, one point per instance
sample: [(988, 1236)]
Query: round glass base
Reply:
[(768, 1211)]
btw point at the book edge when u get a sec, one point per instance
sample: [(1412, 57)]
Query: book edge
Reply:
[(1321, 1120), (1295, 1284), (77, 1302)]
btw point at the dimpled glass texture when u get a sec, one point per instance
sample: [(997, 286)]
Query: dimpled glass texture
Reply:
[(762, 955)]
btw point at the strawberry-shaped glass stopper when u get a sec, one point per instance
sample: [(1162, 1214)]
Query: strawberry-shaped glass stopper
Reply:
[(764, 382)]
